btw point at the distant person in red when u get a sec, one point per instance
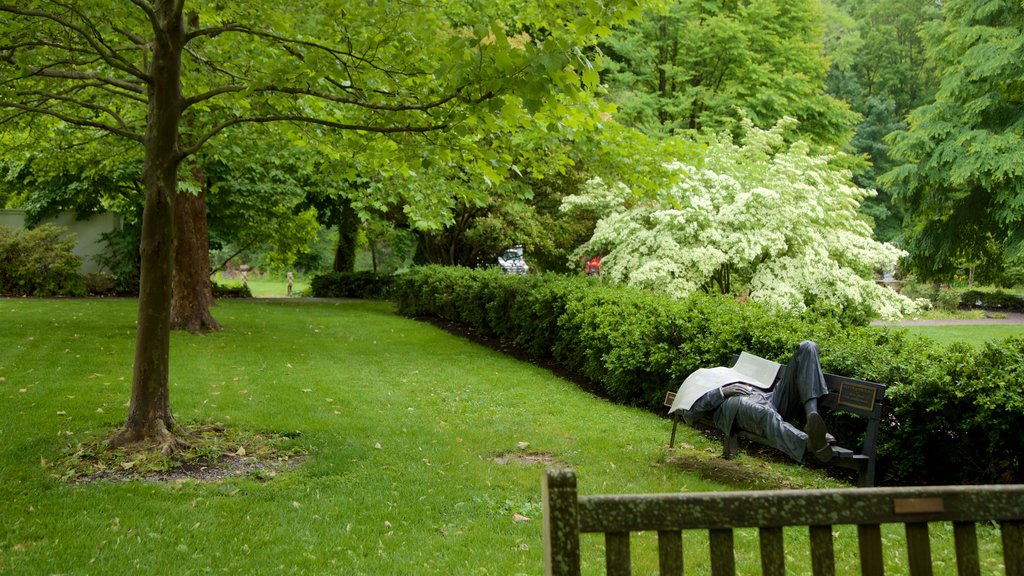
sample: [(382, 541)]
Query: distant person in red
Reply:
[(594, 266)]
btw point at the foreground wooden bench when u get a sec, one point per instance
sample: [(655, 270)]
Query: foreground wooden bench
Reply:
[(567, 515), (859, 397)]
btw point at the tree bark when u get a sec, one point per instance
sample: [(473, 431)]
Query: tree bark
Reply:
[(192, 290), (348, 234), (149, 411)]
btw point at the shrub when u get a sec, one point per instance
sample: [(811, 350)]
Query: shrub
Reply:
[(223, 291), (994, 300), (948, 299), (100, 284), (954, 414), (39, 262), (365, 285), (121, 258)]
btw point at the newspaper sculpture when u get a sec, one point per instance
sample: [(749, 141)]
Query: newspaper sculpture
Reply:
[(749, 369)]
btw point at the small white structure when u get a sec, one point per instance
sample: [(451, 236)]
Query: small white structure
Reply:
[(87, 232)]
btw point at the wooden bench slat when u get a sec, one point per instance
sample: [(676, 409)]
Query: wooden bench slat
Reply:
[(670, 552), (561, 523), (823, 558), (869, 542), (617, 558), (965, 539), (773, 554), (1013, 547), (567, 515), (723, 557), (680, 511), (919, 549)]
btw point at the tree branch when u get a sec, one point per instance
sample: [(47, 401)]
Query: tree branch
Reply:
[(80, 103), (84, 75), (110, 56), (199, 142), (72, 120), (213, 32)]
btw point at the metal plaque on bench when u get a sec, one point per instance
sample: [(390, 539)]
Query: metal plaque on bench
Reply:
[(857, 395)]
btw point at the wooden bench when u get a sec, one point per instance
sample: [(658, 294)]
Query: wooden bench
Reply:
[(860, 397), (567, 515)]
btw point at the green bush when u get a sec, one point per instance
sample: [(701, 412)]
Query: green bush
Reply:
[(954, 414), (239, 291), (39, 262), (948, 299), (121, 258), (365, 285), (993, 300)]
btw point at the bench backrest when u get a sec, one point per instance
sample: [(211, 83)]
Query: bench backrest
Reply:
[(567, 515)]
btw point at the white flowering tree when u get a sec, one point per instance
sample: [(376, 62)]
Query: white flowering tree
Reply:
[(763, 217)]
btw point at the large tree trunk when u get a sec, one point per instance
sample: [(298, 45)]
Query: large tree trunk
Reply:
[(149, 411), (192, 290), (348, 234)]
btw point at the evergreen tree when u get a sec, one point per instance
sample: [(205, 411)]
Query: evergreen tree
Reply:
[(961, 177), (878, 65), (705, 65)]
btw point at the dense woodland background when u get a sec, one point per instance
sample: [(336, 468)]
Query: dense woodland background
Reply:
[(922, 98)]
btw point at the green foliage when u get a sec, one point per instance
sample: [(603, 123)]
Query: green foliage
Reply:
[(121, 257), (998, 300), (706, 65), (365, 285), (224, 291), (953, 414), (878, 66), (39, 262), (960, 177)]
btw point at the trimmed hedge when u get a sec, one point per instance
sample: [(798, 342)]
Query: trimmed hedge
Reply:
[(997, 300), (39, 262), (365, 285), (231, 291), (956, 414)]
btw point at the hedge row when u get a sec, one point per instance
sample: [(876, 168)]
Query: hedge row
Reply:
[(956, 414), (997, 300), (365, 285)]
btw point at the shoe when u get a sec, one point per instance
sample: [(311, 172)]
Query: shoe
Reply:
[(816, 442)]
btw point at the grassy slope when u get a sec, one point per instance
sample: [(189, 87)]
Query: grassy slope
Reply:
[(402, 422)]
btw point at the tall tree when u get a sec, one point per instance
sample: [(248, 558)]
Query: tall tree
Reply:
[(879, 66), (960, 178), (704, 65), (170, 80)]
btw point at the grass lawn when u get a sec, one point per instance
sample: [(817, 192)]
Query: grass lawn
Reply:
[(974, 334), (421, 446), (268, 286)]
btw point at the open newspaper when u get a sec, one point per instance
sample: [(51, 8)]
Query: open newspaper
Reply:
[(749, 369)]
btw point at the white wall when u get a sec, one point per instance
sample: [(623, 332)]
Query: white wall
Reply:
[(86, 231)]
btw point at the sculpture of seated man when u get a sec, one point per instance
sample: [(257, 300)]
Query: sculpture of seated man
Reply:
[(768, 414)]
